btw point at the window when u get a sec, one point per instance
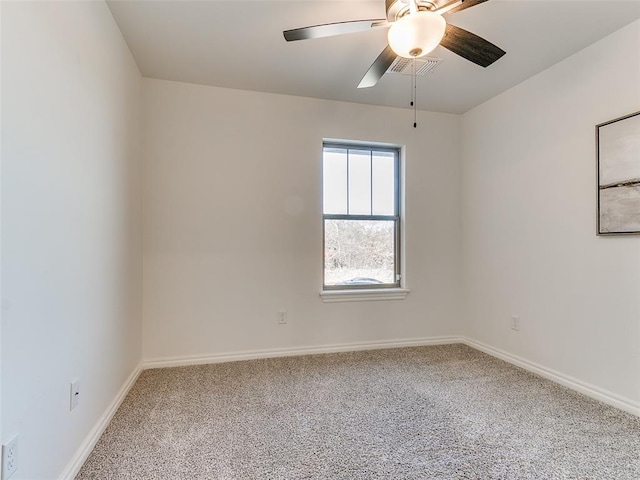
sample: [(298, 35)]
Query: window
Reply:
[(361, 216)]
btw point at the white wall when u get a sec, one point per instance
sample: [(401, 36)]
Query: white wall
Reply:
[(529, 203), (233, 230), (71, 270)]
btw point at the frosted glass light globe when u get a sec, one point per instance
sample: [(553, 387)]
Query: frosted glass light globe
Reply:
[(416, 34)]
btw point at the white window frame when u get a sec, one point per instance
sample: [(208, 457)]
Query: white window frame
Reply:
[(397, 290)]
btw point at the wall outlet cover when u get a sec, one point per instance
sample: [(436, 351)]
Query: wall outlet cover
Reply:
[(10, 457), (74, 394)]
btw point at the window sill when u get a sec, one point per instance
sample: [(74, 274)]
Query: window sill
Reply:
[(335, 296)]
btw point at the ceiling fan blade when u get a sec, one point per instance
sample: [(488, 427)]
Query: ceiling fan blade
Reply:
[(466, 4), (378, 68), (331, 29), (470, 46)]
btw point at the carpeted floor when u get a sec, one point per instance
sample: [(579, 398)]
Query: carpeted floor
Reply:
[(442, 412)]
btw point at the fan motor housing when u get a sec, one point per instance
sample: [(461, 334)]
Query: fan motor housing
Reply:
[(399, 8)]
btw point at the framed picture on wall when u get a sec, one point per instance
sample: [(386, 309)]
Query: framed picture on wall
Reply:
[(618, 161)]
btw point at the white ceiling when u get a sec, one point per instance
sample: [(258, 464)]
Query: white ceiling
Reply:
[(239, 44)]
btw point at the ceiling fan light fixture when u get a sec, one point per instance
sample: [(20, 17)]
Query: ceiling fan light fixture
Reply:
[(416, 34)]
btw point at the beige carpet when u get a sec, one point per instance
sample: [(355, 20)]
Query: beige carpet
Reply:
[(443, 412)]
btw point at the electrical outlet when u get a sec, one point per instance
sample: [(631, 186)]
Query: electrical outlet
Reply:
[(74, 394), (282, 317), (515, 323), (10, 457)]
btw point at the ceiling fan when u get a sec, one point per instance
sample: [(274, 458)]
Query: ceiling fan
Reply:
[(416, 27)]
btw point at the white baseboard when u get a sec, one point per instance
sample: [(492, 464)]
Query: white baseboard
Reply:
[(587, 389), (81, 455), (295, 351)]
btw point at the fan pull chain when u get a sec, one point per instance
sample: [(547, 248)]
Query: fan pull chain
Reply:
[(414, 100), (412, 81)]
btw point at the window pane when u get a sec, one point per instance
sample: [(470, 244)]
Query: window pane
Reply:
[(334, 180), (359, 252), (383, 180), (359, 182)]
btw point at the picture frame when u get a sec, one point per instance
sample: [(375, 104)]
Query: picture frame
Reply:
[(618, 176)]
